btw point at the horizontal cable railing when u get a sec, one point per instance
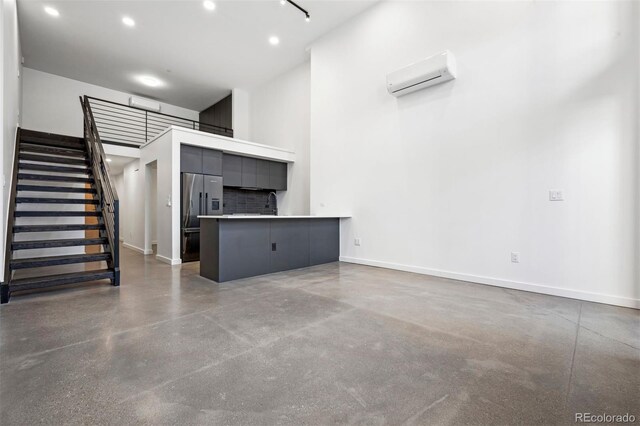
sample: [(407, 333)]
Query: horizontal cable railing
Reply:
[(122, 124)]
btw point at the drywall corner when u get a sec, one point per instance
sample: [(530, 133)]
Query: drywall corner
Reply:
[(240, 113)]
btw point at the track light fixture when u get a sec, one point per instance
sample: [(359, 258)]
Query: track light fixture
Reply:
[(307, 17)]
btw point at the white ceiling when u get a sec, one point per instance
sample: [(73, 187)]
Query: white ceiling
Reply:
[(200, 55), (117, 163)]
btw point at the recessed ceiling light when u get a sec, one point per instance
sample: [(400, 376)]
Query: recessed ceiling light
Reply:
[(283, 2), (51, 11), (150, 81), (209, 5), (109, 160), (274, 40), (129, 22)]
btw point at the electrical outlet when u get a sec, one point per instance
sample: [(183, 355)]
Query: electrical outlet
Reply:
[(556, 195), (515, 257), (356, 241)]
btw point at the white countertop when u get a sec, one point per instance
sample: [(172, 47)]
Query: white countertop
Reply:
[(264, 216)]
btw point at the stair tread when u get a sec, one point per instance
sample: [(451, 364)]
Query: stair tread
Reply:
[(63, 242), (52, 143), (64, 256), (54, 178), (46, 200), (50, 168), (54, 228), (26, 133), (55, 213), (36, 262), (52, 159), (59, 279), (54, 188), (51, 139), (57, 150)]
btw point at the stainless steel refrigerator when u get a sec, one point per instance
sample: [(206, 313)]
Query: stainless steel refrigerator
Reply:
[(201, 195)]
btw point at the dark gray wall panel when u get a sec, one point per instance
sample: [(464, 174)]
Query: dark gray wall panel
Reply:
[(218, 114), (324, 241)]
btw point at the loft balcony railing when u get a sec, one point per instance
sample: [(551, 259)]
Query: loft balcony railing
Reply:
[(121, 124)]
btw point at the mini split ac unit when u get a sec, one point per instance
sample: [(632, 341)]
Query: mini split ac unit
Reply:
[(422, 74), (144, 104)]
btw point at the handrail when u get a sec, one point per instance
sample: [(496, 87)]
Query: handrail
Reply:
[(121, 124), (11, 213), (109, 203)]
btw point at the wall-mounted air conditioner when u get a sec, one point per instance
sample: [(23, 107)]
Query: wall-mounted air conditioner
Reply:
[(144, 104), (433, 70)]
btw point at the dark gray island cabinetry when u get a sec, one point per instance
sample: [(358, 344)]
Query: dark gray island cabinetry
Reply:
[(240, 247)]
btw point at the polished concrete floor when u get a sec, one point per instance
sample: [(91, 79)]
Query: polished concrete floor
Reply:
[(333, 344)]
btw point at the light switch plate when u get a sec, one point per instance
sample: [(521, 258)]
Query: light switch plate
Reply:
[(556, 195), (515, 257)]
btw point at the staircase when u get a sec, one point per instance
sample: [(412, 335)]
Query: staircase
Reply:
[(55, 178)]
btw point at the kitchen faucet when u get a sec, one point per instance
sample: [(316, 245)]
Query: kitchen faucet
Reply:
[(275, 208)]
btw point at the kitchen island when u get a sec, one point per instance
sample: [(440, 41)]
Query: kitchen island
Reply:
[(239, 246)]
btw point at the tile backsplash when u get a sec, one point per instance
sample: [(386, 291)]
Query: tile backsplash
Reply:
[(247, 201)]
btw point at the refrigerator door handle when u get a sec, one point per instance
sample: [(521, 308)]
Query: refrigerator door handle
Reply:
[(206, 203), (200, 204)]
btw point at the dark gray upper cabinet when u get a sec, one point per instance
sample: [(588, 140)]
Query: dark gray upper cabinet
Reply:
[(232, 170), (194, 159), (249, 173), (277, 176), (262, 171), (190, 159), (211, 162)]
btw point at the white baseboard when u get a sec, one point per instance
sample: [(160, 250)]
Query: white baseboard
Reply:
[(168, 260), (626, 302), (138, 249)]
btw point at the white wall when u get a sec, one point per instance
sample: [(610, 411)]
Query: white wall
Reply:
[(450, 180), (160, 162), (10, 93), (152, 174), (132, 206), (51, 103), (637, 214), (118, 182), (240, 113), (279, 116)]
